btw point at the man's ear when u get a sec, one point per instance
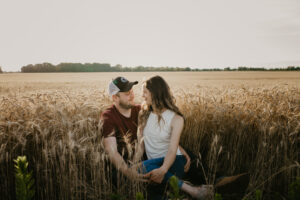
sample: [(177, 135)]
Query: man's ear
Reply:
[(114, 97)]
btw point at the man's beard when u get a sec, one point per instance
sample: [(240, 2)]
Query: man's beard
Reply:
[(125, 106)]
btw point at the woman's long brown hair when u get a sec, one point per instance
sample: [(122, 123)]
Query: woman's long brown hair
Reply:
[(162, 98)]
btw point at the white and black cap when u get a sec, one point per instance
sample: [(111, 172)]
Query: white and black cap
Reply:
[(120, 84)]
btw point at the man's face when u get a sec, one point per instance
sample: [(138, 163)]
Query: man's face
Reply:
[(125, 99)]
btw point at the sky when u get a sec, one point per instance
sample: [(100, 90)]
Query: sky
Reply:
[(174, 33)]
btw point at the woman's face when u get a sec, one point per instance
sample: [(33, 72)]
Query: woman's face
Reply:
[(146, 95)]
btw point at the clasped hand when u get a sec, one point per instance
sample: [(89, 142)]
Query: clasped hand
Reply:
[(133, 174), (156, 175)]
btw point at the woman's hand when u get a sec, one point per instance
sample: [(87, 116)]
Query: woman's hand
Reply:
[(156, 175)]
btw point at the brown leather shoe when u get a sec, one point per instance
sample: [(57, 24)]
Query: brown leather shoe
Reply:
[(232, 185)]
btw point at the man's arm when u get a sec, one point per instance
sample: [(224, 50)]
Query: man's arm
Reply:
[(110, 141), (110, 147), (140, 147)]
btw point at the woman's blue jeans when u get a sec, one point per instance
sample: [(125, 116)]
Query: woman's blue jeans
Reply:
[(177, 169)]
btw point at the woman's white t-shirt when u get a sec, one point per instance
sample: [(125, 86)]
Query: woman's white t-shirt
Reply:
[(157, 136)]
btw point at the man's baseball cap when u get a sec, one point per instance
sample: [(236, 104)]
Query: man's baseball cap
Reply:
[(120, 84)]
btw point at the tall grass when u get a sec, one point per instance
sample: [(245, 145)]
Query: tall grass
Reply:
[(60, 135), (247, 130), (234, 129)]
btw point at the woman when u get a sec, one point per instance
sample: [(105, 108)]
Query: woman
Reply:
[(160, 127)]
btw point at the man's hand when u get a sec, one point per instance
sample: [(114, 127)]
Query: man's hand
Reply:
[(156, 175), (188, 162), (134, 175), (188, 159)]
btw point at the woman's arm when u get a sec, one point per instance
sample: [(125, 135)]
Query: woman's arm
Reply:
[(157, 175)]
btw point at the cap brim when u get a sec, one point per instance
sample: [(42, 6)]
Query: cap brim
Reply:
[(129, 86)]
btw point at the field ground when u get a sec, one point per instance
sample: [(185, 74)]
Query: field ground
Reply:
[(235, 122), (187, 81)]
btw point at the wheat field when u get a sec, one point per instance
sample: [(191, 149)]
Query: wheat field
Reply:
[(235, 122)]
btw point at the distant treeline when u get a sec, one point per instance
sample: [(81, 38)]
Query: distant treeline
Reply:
[(94, 67), (105, 67)]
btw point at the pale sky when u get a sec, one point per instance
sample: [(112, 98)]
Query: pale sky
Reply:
[(175, 33)]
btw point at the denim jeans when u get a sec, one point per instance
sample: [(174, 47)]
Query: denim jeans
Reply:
[(177, 169)]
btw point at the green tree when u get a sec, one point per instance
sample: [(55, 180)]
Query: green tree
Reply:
[(139, 196), (175, 190), (24, 181)]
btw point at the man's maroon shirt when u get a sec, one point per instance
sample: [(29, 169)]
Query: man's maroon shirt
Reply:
[(124, 129)]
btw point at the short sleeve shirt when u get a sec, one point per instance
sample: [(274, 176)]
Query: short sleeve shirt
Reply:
[(123, 128)]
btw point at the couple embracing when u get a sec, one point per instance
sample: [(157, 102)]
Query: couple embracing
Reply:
[(156, 126)]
